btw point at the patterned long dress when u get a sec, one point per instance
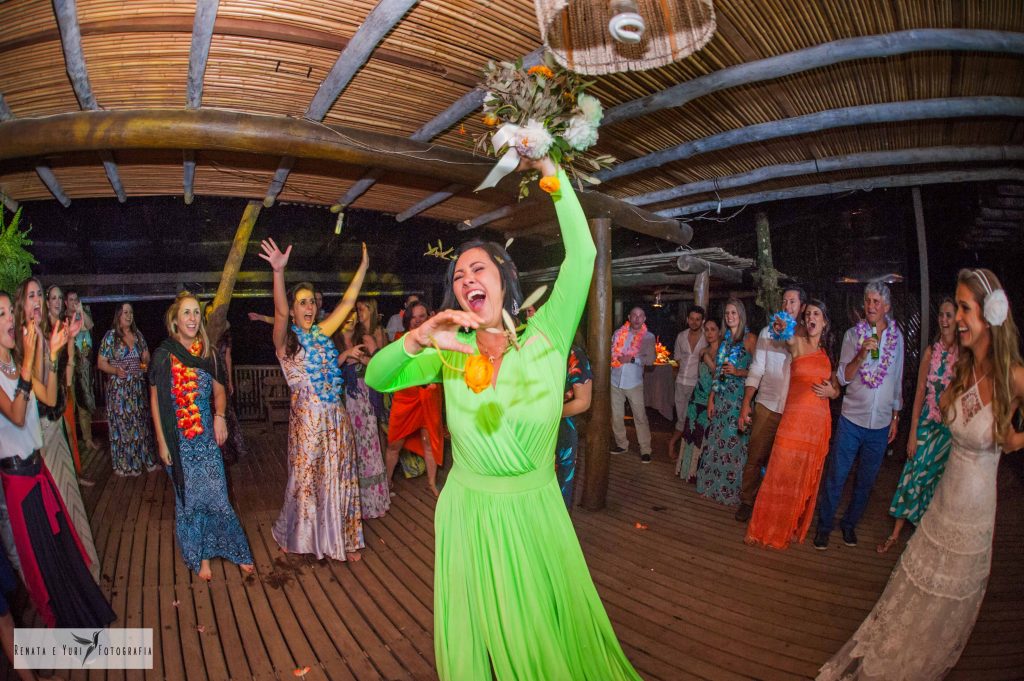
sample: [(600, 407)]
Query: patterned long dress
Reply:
[(696, 427), (375, 498), (921, 473), (513, 598), (725, 450), (132, 448), (206, 524), (321, 514), (785, 502), (567, 445)]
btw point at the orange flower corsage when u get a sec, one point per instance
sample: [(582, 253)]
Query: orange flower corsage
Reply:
[(550, 184), (479, 372)]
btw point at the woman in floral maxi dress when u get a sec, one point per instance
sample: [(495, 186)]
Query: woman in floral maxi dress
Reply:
[(725, 449), (321, 514)]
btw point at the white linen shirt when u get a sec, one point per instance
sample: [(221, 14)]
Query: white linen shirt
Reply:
[(866, 407), (769, 372), (631, 375), (689, 361)]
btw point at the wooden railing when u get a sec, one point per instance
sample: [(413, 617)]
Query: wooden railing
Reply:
[(249, 389)]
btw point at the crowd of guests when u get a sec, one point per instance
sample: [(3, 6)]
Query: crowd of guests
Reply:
[(754, 432)]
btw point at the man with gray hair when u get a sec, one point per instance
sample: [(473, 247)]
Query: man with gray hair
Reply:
[(871, 368)]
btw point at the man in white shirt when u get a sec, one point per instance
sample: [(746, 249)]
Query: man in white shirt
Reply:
[(632, 350), (394, 325), (871, 368), (690, 343), (769, 378)]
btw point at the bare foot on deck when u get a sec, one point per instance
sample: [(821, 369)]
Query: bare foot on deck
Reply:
[(204, 571), (85, 482), (353, 556), (247, 568), (433, 489)]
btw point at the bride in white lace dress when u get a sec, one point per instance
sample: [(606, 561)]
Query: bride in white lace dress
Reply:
[(923, 620)]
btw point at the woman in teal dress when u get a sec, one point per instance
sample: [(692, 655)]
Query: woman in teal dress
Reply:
[(696, 427), (725, 450), (928, 451), (512, 595)]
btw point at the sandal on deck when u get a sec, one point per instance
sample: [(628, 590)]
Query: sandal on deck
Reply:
[(887, 544)]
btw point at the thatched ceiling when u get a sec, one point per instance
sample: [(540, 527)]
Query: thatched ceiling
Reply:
[(270, 56)]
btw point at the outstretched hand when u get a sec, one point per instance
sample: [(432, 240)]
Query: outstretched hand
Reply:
[(272, 254), (545, 165), (441, 331), (58, 337), (30, 340)]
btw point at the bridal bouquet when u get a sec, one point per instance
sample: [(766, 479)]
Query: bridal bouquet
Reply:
[(537, 112)]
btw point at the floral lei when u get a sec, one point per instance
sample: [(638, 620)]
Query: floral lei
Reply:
[(620, 341), (787, 332), (873, 377), (185, 389), (936, 382), (730, 352), (321, 363)]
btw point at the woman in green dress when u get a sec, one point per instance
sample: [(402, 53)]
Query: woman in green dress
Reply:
[(697, 421), (928, 451), (512, 595)]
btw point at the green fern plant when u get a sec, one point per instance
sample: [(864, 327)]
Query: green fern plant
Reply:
[(15, 262)]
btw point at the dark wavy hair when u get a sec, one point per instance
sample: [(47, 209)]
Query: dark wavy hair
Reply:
[(116, 326), (292, 344), (407, 317), (506, 268), (20, 313), (827, 341)]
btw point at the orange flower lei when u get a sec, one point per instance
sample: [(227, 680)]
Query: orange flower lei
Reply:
[(185, 389), (620, 341)]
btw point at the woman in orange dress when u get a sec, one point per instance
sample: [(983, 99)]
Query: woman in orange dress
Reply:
[(785, 503), (415, 421)]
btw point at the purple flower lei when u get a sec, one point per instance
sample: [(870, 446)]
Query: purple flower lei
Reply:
[(874, 376)]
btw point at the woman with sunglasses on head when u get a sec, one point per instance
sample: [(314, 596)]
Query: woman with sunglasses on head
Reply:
[(921, 623)]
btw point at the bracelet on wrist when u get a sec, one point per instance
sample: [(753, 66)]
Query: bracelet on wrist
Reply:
[(23, 386), (220, 416)]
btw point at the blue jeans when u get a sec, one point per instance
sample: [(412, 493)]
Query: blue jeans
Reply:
[(851, 441)]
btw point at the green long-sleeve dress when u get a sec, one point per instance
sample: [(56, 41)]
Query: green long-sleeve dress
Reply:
[(512, 593)]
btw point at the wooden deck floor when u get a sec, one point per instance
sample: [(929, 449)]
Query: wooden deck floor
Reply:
[(687, 598)]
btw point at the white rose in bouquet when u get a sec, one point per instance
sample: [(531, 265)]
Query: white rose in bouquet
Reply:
[(533, 140), (581, 134), (591, 108)]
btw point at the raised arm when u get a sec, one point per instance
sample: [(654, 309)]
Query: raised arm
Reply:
[(47, 392), (348, 301), (278, 261), (560, 315)]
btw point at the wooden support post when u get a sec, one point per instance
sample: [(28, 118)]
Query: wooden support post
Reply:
[(219, 306), (922, 258), (769, 298), (599, 339), (189, 165)]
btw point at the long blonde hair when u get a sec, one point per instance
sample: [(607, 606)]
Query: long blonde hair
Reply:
[(171, 321), (1004, 350)]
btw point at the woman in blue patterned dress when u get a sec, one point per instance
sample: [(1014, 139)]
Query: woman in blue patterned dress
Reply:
[(725, 450), (928, 451), (189, 401), (322, 513), (578, 387), (123, 356)]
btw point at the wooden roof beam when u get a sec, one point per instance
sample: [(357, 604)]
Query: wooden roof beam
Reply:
[(66, 12), (462, 107), (44, 172), (219, 130), (691, 264), (429, 202), (379, 22), (870, 159), (864, 184), (199, 54), (818, 56), (867, 114), (10, 203)]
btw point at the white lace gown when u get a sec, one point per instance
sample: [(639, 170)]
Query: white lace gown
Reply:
[(922, 621)]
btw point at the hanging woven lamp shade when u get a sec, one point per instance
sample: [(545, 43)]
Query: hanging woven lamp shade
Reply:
[(662, 31)]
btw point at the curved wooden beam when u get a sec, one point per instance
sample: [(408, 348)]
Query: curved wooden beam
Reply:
[(867, 114), (219, 130), (429, 202), (379, 22), (818, 56), (46, 175), (869, 159), (863, 184)]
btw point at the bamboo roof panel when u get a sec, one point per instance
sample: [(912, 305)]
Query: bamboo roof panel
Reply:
[(40, 90), (138, 70)]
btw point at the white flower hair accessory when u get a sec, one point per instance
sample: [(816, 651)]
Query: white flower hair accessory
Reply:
[(996, 306)]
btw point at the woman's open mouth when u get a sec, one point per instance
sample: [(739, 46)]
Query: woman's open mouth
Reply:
[(476, 299)]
